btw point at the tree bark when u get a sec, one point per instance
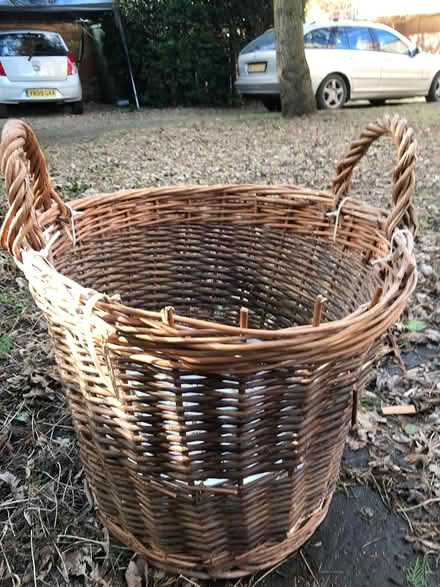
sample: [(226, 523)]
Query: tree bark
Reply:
[(293, 71)]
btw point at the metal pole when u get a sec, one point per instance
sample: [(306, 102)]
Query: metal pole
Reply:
[(118, 21)]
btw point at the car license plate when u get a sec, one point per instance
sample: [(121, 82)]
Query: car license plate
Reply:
[(257, 67), (46, 93)]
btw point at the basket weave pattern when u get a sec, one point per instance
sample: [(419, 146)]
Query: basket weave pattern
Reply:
[(213, 341)]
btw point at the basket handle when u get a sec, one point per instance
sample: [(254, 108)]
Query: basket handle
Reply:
[(403, 178), (28, 189)]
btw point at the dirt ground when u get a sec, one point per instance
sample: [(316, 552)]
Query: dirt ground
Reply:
[(383, 527)]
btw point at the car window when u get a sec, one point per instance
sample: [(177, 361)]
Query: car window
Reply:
[(323, 38), (265, 42), (359, 38), (341, 39), (390, 43), (35, 44)]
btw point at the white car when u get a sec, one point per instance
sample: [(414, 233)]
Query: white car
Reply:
[(36, 66), (348, 60)]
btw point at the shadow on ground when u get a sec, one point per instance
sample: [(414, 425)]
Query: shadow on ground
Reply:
[(359, 544)]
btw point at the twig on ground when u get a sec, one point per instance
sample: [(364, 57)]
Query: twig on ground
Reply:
[(420, 505), (34, 571), (308, 566)]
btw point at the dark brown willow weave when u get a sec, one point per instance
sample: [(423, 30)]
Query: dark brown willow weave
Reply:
[(211, 340)]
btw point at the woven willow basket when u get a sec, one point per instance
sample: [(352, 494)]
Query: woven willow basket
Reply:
[(212, 341)]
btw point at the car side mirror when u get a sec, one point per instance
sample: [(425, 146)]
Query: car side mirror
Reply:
[(414, 51)]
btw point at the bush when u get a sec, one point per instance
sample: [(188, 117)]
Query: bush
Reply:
[(183, 52)]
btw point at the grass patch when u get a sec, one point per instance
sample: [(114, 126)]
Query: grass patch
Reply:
[(418, 573), (6, 343)]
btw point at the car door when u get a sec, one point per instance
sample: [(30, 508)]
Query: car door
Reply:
[(402, 74), (357, 43), (319, 44)]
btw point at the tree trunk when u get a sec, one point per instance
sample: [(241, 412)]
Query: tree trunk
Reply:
[(293, 71)]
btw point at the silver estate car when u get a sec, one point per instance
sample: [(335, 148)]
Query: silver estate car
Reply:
[(36, 66), (348, 60)]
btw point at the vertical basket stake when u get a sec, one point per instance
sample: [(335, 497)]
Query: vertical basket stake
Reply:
[(244, 317), (167, 315), (317, 310), (356, 398)]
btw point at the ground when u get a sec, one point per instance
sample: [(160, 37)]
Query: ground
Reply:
[(383, 525)]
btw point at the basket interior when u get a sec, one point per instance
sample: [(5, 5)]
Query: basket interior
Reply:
[(210, 271)]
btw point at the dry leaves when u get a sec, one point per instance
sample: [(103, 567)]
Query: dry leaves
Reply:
[(79, 565), (14, 485), (133, 575)]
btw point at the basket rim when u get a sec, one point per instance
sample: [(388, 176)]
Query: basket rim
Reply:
[(194, 331), (288, 192)]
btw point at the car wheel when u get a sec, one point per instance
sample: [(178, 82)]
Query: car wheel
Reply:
[(272, 104), (77, 107), (332, 93), (3, 111), (434, 90), (377, 102)]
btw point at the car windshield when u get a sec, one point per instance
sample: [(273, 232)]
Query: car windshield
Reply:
[(32, 44), (265, 42)]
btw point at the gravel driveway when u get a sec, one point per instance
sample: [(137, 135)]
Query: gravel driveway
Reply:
[(109, 148)]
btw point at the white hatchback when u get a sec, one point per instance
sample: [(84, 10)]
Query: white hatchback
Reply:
[(36, 66), (348, 60)]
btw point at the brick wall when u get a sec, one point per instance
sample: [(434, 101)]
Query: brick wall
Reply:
[(71, 33)]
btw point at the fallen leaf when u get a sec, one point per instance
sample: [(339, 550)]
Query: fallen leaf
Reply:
[(38, 392), (430, 546), (383, 464), (426, 269), (415, 496), (386, 381), (13, 482), (63, 443), (414, 374), (132, 575), (365, 425), (78, 563), (45, 564), (355, 444), (416, 458), (28, 516), (413, 337), (435, 469), (401, 438), (367, 512), (432, 335)]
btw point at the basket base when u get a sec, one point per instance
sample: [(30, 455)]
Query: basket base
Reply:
[(264, 556)]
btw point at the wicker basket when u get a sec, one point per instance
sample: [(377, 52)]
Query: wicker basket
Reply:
[(212, 341)]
